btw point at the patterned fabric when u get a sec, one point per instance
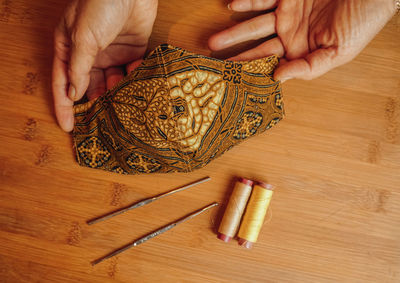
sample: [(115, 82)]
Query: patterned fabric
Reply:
[(176, 112)]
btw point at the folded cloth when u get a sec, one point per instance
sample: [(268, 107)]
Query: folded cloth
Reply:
[(176, 112)]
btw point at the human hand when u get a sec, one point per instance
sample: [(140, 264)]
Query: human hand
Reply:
[(313, 36), (92, 39)]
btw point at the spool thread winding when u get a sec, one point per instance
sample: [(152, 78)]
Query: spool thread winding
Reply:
[(254, 215), (234, 210)]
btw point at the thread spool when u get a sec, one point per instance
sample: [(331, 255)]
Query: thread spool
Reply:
[(254, 215), (234, 210)]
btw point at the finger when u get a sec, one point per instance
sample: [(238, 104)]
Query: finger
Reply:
[(254, 28), (132, 66), (119, 54), (312, 66), (97, 85), (271, 47), (83, 54), (62, 104), (113, 76), (251, 5), (282, 61)]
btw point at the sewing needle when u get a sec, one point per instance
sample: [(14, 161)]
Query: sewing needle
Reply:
[(155, 233), (146, 201)]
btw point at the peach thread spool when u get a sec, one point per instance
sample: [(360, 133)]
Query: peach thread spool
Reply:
[(254, 215), (234, 210)]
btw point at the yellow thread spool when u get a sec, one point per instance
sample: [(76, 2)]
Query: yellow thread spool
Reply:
[(253, 218), (234, 210)]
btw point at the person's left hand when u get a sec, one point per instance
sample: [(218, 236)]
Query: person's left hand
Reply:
[(312, 36)]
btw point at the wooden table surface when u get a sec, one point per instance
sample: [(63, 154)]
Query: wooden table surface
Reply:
[(334, 159)]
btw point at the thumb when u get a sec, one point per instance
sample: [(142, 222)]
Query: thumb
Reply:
[(312, 66), (82, 58)]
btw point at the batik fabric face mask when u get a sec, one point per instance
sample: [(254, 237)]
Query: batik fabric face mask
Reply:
[(177, 112)]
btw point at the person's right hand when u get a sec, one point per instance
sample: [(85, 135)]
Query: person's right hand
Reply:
[(92, 39)]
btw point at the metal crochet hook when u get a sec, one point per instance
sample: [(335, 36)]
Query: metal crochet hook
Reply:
[(145, 201), (155, 233)]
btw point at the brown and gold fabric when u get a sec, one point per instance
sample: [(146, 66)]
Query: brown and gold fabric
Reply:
[(177, 112)]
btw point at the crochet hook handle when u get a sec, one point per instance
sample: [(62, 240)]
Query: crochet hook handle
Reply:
[(145, 201), (155, 233)]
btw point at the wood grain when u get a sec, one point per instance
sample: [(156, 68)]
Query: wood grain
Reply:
[(334, 159)]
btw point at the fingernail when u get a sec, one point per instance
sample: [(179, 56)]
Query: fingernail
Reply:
[(71, 92), (229, 7)]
